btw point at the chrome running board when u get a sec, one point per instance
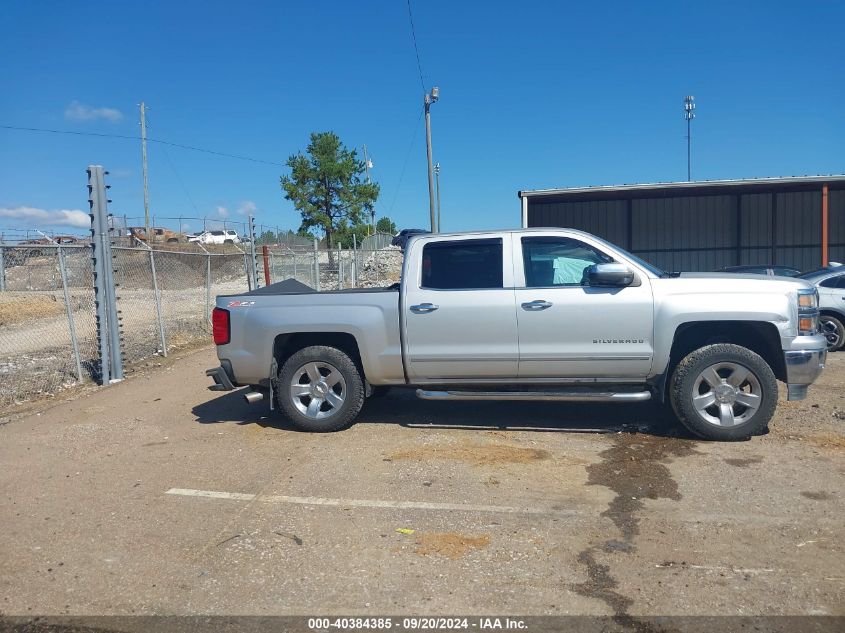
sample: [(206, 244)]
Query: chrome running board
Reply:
[(560, 396)]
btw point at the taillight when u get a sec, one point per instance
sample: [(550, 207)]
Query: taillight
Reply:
[(220, 326)]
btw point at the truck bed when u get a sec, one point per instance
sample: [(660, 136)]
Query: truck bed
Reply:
[(257, 317)]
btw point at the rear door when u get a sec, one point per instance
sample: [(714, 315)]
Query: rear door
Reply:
[(459, 312), (568, 329)]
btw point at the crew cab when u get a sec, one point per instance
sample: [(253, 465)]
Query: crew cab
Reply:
[(530, 314)]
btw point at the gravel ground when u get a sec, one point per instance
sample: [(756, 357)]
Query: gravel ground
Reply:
[(422, 507)]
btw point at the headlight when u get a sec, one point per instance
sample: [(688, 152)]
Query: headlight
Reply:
[(808, 299), (808, 311)]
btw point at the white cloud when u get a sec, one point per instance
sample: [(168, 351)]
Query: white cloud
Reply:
[(80, 112), (247, 207), (31, 217), (222, 212)]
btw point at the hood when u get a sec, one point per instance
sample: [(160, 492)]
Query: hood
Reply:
[(732, 282)]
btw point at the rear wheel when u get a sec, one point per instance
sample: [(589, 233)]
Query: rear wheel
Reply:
[(724, 392), (834, 332), (320, 389)]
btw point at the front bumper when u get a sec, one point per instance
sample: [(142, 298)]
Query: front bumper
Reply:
[(803, 366)]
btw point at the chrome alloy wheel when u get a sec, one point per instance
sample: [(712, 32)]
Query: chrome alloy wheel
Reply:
[(832, 333), (726, 394), (318, 390)]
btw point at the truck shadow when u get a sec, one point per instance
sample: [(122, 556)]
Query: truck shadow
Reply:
[(403, 408)]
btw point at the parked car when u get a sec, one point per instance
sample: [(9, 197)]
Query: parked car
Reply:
[(830, 282), (402, 237), (223, 236), (532, 314), (157, 235), (780, 271)]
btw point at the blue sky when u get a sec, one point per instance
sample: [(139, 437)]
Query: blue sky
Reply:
[(533, 95)]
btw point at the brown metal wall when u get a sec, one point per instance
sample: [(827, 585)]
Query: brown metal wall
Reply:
[(708, 232)]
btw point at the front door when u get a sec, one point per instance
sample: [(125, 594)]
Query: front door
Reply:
[(568, 329), (459, 320)]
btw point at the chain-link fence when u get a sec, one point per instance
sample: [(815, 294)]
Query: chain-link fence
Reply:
[(48, 338), (335, 269)]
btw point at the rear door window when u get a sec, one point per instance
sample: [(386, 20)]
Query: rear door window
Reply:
[(463, 264)]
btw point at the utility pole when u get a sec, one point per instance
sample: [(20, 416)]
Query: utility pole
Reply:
[(437, 178), (689, 115), (430, 98), (367, 164), (144, 168)]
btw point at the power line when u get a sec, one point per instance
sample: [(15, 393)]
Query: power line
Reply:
[(416, 48), (179, 179), (149, 140), (405, 163)]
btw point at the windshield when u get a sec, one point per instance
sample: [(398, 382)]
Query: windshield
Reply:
[(637, 260), (818, 273)]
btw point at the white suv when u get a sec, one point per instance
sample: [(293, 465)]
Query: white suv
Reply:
[(830, 282), (223, 236)]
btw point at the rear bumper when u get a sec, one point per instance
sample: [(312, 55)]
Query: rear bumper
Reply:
[(803, 366), (222, 380)]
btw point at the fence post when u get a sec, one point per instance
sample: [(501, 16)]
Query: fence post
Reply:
[(2, 268), (265, 255), (316, 266), (158, 304), (70, 324), (208, 289), (105, 296), (253, 265), (339, 267), (354, 261)]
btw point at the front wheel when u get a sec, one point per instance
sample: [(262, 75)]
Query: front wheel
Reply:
[(320, 389), (724, 392), (834, 332)]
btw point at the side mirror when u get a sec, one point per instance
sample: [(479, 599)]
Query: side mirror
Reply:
[(614, 275)]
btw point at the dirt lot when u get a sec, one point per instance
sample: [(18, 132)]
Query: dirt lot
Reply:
[(156, 496)]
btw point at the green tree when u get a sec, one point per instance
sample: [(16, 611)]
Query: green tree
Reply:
[(345, 231), (326, 185), (386, 225), (267, 237)]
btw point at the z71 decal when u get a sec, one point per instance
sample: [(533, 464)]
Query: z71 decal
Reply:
[(240, 304)]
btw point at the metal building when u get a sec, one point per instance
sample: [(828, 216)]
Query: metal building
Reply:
[(685, 226)]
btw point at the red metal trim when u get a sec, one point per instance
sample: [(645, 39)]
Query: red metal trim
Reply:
[(265, 253)]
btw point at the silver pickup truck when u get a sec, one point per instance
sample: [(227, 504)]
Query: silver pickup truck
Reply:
[(537, 314)]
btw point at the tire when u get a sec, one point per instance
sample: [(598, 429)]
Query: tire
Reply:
[(228, 242), (834, 332), (738, 410), (298, 376)]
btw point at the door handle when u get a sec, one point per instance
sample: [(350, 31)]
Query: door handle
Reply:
[(424, 308), (535, 306)]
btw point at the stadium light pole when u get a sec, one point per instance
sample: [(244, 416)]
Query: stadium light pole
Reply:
[(430, 98), (689, 115)]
